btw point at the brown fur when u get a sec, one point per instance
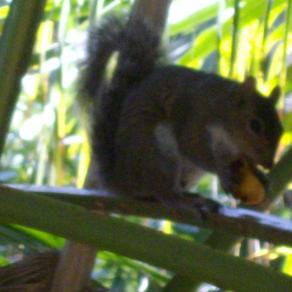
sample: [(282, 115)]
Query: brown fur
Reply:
[(142, 95)]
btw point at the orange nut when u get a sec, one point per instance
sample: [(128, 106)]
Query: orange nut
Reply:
[(250, 189)]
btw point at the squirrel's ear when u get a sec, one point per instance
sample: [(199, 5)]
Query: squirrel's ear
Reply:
[(275, 95), (249, 83)]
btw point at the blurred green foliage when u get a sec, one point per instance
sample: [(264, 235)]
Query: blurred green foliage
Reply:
[(46, 143)]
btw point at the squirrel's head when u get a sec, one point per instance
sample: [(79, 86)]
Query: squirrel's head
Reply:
[(255, 124)]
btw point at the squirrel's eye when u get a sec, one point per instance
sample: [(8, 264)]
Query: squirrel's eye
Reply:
[(256, 126)]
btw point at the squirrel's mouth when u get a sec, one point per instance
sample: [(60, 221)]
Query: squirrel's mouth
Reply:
[(262, 164)]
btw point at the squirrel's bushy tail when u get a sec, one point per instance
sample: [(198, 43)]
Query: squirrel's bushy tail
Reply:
[(102, 43), (137, 46)]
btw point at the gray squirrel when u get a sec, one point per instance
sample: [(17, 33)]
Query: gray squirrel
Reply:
[(156, 128)]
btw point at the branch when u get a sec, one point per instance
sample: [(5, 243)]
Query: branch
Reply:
[(153, 12), (138, 242), (76, 260), (236, 221)]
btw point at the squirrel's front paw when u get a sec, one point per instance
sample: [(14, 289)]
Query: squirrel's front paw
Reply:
[(180, 203), (199, 205)]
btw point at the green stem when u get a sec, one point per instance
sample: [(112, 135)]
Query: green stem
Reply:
[(15, 51), (286, 41), (236, 221), (280, 176), (141, 243), (235, 37)]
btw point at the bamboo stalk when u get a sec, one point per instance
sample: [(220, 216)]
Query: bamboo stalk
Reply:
[(15, 50)]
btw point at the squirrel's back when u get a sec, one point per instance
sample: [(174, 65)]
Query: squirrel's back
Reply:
[(137, 46)]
